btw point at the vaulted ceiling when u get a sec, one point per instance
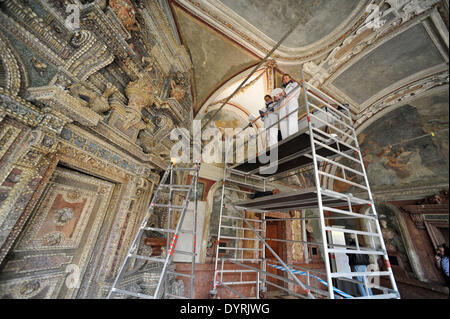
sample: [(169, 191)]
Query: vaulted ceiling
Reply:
[(371, 54), (318, 18)]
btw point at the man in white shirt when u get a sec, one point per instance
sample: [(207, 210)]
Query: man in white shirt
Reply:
[(289, 124)]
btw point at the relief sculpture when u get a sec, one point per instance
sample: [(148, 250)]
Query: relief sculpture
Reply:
[(126, 13), (140, 96), (97, 103)]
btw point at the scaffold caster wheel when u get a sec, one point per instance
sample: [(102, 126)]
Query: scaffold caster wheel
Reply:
[(213, 294)]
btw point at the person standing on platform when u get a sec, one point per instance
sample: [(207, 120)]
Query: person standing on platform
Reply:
[(270, 117), (289, 123)]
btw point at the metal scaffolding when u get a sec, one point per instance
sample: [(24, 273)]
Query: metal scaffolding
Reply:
[(168, 183), (329, 144)]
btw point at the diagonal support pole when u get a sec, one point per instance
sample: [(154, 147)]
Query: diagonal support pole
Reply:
[(280, 260)]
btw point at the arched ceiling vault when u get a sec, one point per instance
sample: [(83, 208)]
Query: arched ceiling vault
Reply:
[(370, 54)]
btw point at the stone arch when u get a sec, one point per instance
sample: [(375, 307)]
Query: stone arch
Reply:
[(208, 214), (404, 235)]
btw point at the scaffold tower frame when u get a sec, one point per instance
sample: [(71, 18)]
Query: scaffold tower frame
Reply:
[(168, 183), (327, 142)]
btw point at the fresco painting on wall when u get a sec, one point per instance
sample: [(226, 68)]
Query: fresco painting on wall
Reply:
[(395, 246), (407, 147)]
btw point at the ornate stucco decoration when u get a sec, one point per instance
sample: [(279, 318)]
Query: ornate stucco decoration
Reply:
[(140, 96), (61, 100), (29, 114), (126, 13), (91, 56), (178, 92), (384, 20), (406, 9), (107, 26), (403, 94), (40, 67), (97, 103), (374, 27), (318, 73), (435, 206), (11, 78)]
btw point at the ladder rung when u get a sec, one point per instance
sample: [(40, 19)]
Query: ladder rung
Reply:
[(351, 198), (175, 296), (337, 151), (238, 248), (328, 114), (242, 228), (172, 231), (328, 138), (325, 96), (340, 211), (233, 291), (381, 296), (159, 229), (342, 180), (147, 258), (184, 169), (227, 271), (131, 293), (179, 190), (355, 251), (171, 207), (325, 139), (243, 259), (181, 252), (329, 106), (330, 125), (340, 165), (350, 231), (240, 218), (235, 283), (177, 186), (338, 141), (357, 274), (245, 174), (179, 274), (239, 238)]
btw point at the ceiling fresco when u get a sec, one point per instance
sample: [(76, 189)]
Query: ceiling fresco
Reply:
[(408, 147), (359, 52), (214, 57), (318, 17), (404, 55)]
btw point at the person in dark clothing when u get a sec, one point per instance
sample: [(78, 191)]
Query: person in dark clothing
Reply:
[(359, 263), (442, 258), (263, 194)]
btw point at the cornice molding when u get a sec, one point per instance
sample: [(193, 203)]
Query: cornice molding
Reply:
[(214, 13), (366, 40)]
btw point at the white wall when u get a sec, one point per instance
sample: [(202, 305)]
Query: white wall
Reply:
[(185, 241)]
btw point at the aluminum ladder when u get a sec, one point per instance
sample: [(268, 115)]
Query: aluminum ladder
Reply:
[(172, 235), (235, 238), (339, 128)]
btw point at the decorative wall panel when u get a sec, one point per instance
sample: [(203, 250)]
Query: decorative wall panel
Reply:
[(62, 231)]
